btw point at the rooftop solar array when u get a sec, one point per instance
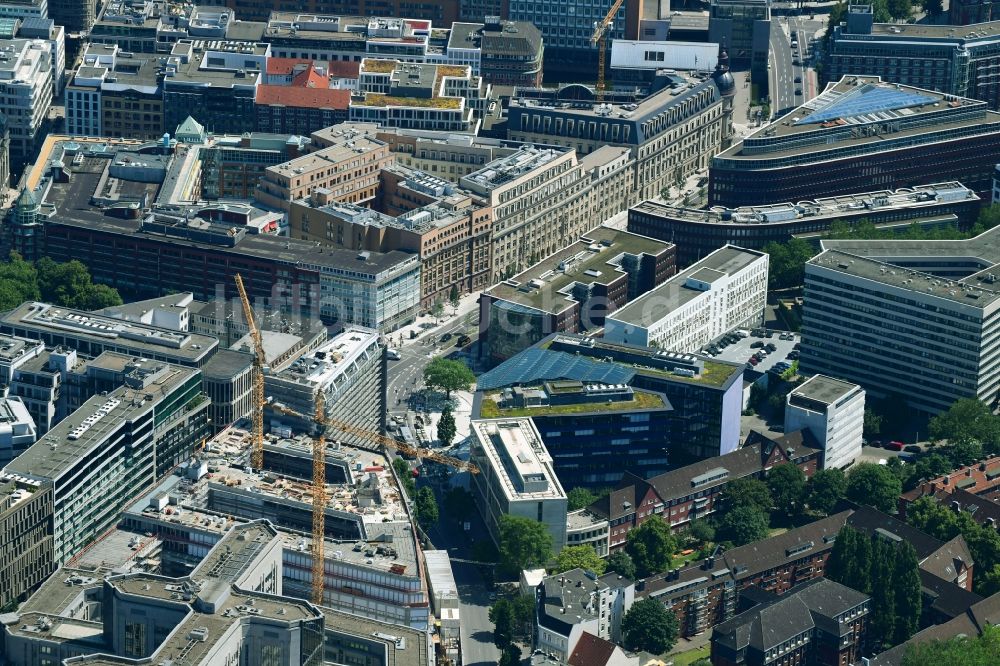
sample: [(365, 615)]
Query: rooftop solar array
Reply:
[(867, 103), (538, 365)]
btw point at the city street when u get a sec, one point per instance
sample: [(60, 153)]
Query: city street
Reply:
[(784, 71)]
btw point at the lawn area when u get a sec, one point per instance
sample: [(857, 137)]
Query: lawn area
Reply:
[(643, 400), (681, 560), (689, 657), (776, 531)]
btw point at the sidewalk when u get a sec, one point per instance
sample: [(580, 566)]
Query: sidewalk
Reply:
[(401, 337)]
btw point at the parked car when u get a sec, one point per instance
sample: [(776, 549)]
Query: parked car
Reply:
[(771, 347), (760, 355), (446, 337), (463, 340), (793, 355), (743, 333), (756, 345), (753, 360), (912, 448), (392, 354), (895, 446)]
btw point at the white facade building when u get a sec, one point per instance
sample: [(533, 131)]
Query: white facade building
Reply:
[(17, 429), (25, 91), (516, 477), (724, 291), (914, 319), (834, 412)]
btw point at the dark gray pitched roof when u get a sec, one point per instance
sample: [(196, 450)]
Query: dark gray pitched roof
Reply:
[(946, 560), (794, 544)]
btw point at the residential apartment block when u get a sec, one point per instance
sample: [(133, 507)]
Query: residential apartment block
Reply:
[(833, 145), (572, 290), (698, 232), (819, 622), (578, 602), (914, 318), (833, 411), (516, 477), (953, 60), (724, 291)]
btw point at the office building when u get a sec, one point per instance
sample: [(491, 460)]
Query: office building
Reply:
[(119, 425), (209, 243), (77, 16), (449, 156), (348, 370), (447, 227), (670, 134), (516, 477), (17, 429), (113, 94), (572, 290), (693, 491), (724, 291), (15, 352), (833, 411), (744, 26), (345, 160), (661, 409), (818, 622), (373, 561), (511, 52), (647, 66), (25, 536), (909, 319), (232, 167), (439, 11), (968, 12), (24, 9), (46, 29), (230, 602), (446, 98), (543, 199), (26, 80), (305, 103), (698, 232), (858, 133), (578, 602), (945, 58), (216, 84)]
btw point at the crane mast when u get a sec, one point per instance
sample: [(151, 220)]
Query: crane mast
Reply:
[(319, 504), (599, 38), (257, 434)]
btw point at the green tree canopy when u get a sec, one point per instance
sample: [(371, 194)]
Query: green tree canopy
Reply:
[(453, 296), (743, 525), (579, 557), (909, 598), (580, 498), (446, 427), (874, 485), (621, 563), (510, 656), (825, 489), (524, 543), (649, 626), (787, 484), (18, 282), (502, 616), (786, 262), (983, 650), (701, 531), (872, 423), (747, 491), (405, 475), (67, 284), (967, 420), (651, 546), (448, 375), (426, 508)]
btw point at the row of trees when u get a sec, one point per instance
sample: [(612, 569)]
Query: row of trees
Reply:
[(889, 573), (512, 619), (67, 284), (967, 651), (787, 259)]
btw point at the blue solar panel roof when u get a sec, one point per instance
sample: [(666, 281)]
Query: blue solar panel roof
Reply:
[(866, 99), (538, 365)]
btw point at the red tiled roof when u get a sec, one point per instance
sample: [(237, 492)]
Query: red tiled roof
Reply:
[(591, 651), (344, 70), (311, 98), (310, 78), (284, 65)]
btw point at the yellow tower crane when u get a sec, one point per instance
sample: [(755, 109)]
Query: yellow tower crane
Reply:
[(257, 433), (319, 505), (388, 442), (601, 29)]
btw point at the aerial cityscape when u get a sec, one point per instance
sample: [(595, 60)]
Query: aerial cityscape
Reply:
[(500, 333)]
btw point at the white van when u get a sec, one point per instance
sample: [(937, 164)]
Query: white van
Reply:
[(392, 354)]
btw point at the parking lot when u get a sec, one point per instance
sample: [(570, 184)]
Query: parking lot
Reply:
[(742, 349)]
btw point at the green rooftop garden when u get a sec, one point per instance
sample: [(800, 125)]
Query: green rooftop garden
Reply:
[(489, 409), (420, 102)]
